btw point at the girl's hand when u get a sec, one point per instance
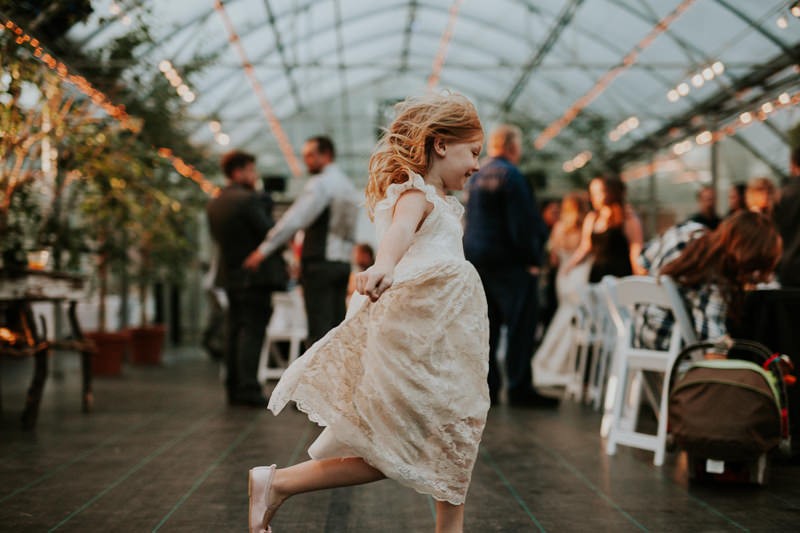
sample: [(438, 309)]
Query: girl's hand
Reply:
[(374, 281)]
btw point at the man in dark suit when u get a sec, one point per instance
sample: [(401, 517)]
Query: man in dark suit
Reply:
[(239, 219), (504, 238)]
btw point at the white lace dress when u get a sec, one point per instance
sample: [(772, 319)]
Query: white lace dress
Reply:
[(402, 381)]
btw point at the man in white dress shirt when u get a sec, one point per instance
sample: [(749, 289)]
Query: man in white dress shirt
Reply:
[(327, 210)]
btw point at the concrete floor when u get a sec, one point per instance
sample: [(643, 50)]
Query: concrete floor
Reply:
[(163, 452)]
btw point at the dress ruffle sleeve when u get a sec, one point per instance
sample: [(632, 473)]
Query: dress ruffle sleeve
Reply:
[(395, 190)]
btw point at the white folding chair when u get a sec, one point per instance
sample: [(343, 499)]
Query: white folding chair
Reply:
[(605, 337), (287, 324), (625, 384), (583, 339)]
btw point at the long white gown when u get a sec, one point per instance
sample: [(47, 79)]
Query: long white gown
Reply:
[(401, 382), (551, 360)]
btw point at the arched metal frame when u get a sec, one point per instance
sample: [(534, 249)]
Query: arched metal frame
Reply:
[(557, 21)]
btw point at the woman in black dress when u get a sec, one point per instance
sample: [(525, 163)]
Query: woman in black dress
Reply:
[(612, 233)]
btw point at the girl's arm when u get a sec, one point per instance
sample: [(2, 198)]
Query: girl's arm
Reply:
[(635, 235), (586, 243), (409, 212)]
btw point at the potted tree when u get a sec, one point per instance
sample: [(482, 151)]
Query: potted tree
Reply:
[(161, 250)]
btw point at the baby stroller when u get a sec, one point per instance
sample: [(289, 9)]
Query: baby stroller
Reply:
[(728, 409)]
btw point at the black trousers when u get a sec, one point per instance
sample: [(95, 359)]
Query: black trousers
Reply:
[(325, 295), (511, 295), (248, 314)]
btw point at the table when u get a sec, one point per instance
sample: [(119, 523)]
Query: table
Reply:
[(26, 338)]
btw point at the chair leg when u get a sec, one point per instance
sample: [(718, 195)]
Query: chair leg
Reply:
[(87, 397), (661, 445), (619, 403), (263, 362)]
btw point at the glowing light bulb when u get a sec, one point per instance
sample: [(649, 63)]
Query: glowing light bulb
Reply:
[(718, 67), (673, 95), (708, 74), (704, 137), (767, 107), (214, 126), (697, 80), (746, 117), (683, 89), (165, 66), (782, 22), (784, 98)]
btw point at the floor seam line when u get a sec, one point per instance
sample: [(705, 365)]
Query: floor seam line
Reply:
[(161, 449), (202, 478), (511, 489), (79, 458), (577, 473)]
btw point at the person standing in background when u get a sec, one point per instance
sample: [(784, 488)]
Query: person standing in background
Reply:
[(239, 219), (504, 238), (787, 219), (706, 208), (327, 210)]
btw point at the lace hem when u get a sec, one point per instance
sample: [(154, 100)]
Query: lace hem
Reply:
[(345, 404), (375, 461)]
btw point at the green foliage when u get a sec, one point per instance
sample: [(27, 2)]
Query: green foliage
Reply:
[(111, 195)]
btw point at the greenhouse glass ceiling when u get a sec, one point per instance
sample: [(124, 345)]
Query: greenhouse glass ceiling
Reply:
[(620, 82)]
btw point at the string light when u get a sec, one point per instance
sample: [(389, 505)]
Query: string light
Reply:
[(274, 124), (577, 162), (555, 127), (441, 55), (782, 22), (698, 79), (82, 84), (183, 90), (100, 99), (745, 119), (188, 171), (623, 128)]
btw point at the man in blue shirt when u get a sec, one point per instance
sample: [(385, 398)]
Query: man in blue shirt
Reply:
[(504, 237)]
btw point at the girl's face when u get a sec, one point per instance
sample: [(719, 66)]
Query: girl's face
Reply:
[(457, 162), (597, 194)]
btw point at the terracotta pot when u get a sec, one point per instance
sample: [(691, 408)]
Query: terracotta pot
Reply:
[(147, 344), (111, 347)]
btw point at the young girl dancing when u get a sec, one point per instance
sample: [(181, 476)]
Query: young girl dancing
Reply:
[(400, 385)]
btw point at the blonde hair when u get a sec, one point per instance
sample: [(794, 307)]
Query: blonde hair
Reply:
[(502, 138), (406, 146)]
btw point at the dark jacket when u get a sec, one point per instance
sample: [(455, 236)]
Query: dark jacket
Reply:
[(503, 226), (239, 218), (787, 219)]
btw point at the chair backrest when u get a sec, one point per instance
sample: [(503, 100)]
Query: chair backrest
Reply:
[(628, 292)]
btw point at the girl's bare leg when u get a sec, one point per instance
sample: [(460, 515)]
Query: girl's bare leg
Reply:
[(449, 518), (315, 475)]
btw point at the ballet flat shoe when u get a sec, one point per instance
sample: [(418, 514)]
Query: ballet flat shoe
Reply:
[(258, 485)]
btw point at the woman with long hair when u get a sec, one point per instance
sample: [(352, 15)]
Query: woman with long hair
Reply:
[(713, 273), (612, 233), (551, 360)]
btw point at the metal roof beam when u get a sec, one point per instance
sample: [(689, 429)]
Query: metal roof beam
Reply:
[(287, 69), (760, 28), (412, 17), (538, 56)]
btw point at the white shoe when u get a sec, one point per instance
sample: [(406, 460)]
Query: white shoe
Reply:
[(259, 482)]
